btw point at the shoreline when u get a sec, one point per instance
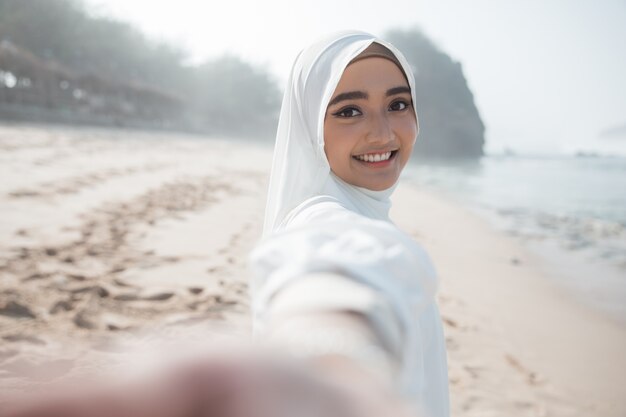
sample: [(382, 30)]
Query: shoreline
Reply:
[(568, 262), (538, 330), (110, 235)]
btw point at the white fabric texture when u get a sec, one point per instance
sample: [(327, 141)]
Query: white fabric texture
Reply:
[(315, 222), (308, 317)]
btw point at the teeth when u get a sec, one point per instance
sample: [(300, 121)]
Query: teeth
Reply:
[(375, 157)]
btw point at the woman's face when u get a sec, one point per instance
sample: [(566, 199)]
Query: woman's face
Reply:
[(370, 125)]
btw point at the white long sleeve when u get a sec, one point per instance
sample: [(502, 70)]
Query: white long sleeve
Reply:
[(389, 279)]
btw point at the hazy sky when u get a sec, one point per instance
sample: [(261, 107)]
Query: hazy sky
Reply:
[(547, 75)]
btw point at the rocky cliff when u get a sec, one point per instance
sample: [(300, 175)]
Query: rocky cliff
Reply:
[(450, 125)]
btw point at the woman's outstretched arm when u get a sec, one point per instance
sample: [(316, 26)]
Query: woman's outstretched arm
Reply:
[(343, 342), (337, 324)]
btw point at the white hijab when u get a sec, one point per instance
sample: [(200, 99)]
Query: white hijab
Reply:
[(300, 169)]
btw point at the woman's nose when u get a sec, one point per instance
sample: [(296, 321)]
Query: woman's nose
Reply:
[(380, 129)]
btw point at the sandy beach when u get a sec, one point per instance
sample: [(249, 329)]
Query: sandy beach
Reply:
[(112, 239)]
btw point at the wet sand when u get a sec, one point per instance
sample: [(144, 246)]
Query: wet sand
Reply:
[(112, 240)]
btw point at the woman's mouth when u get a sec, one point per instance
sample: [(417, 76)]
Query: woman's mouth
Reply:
[(381, 159)]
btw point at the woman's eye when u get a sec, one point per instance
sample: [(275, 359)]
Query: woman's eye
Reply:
[(347, 112), (399, 105)]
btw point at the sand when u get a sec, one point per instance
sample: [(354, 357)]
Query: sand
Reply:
[(112, 240)]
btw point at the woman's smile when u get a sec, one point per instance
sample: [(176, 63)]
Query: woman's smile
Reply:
[(377, 159)]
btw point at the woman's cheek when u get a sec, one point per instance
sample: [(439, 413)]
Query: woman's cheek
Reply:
[(408, 132)]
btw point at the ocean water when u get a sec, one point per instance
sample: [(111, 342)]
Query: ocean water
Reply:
[(569, 210)]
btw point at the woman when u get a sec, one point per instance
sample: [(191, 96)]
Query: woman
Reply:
[(334, 277)]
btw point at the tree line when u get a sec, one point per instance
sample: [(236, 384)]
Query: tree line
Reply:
[(54, 55), (71, 60)]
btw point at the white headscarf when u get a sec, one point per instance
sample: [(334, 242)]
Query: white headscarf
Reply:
[(300, 169)]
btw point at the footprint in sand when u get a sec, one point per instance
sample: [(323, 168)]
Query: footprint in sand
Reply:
[(85, 320), (35, 276), (531, 377), (126, 297), (98, 290), (61, 305), (122, 283), (449, 322), (16, 310), (77, 277), (159, 296), (473, 370), (19, 337), (451, 344)]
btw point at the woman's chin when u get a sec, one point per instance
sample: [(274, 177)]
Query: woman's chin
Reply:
[(377, 184), (381, 187)]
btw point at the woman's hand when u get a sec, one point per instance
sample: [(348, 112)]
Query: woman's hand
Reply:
[(241, 385)]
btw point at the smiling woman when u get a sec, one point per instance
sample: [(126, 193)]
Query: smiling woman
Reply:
[(370, 124), (336, 281)]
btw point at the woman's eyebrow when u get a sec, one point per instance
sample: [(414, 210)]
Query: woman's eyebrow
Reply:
[(352, 95), (398, 90)]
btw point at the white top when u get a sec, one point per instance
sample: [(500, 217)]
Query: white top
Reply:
[(323, 235)]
